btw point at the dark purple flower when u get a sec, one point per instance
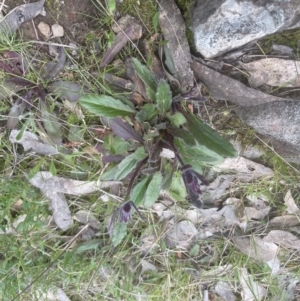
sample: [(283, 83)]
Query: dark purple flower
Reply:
[(126, 211), (191, 180)]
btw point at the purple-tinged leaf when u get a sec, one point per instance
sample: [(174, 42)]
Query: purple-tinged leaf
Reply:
[(186, 136), (122, 129), (51, 124), (146, 76), (20, 82), (9, 88), (119, 42), (17, 109), (16, 61), (112, 158), (119, 81), (52, 69), (140, 94), (5, 67), (66, 90)]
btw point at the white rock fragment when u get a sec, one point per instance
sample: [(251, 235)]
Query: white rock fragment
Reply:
[(57, 31), (44, 29)]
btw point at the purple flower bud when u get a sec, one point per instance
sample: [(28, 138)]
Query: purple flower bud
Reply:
[(192, 185), (125, 212)]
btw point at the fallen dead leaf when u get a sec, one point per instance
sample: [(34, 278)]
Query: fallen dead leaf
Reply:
[(85, 217), (217, 271), (256, 248), (60, 208), (224, 290), (283, 238), (251, 290), (284, 222), (253, 213), (30, 141), (290, 203), (180, 235), (45, 180)]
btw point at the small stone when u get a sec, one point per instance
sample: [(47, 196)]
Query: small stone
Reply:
[(53, 50), (57, 31), (44, 29)]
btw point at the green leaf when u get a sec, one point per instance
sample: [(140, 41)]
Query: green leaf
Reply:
[(169, 63), (153, 190), (176, 119), (187, 137), (111, 7), (208, 137), (52, 169), (119, 233), (147, 112), (51, 124), (23, 129), (109, 175), (116, 145), (167, 180), (145, 74), (177, 187), (138, 192), (155, 21), (140, 154), (125, 167), (120, 146), (35, 169), (151, 94), (198, 155), (194, 251), (89, 245), (163, 97), (104, 105)]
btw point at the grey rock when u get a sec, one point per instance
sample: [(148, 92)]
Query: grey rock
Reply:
[(249, 152), (220, 26), (279, 122)]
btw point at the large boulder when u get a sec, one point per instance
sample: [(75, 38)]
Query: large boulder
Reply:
[(220, 26)]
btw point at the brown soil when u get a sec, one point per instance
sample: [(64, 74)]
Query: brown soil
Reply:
[(77, 17)]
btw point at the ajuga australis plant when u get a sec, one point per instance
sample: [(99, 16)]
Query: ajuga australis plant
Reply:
[(140, 134)]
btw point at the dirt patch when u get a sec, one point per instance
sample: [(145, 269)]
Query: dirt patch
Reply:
[(77, 17)]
